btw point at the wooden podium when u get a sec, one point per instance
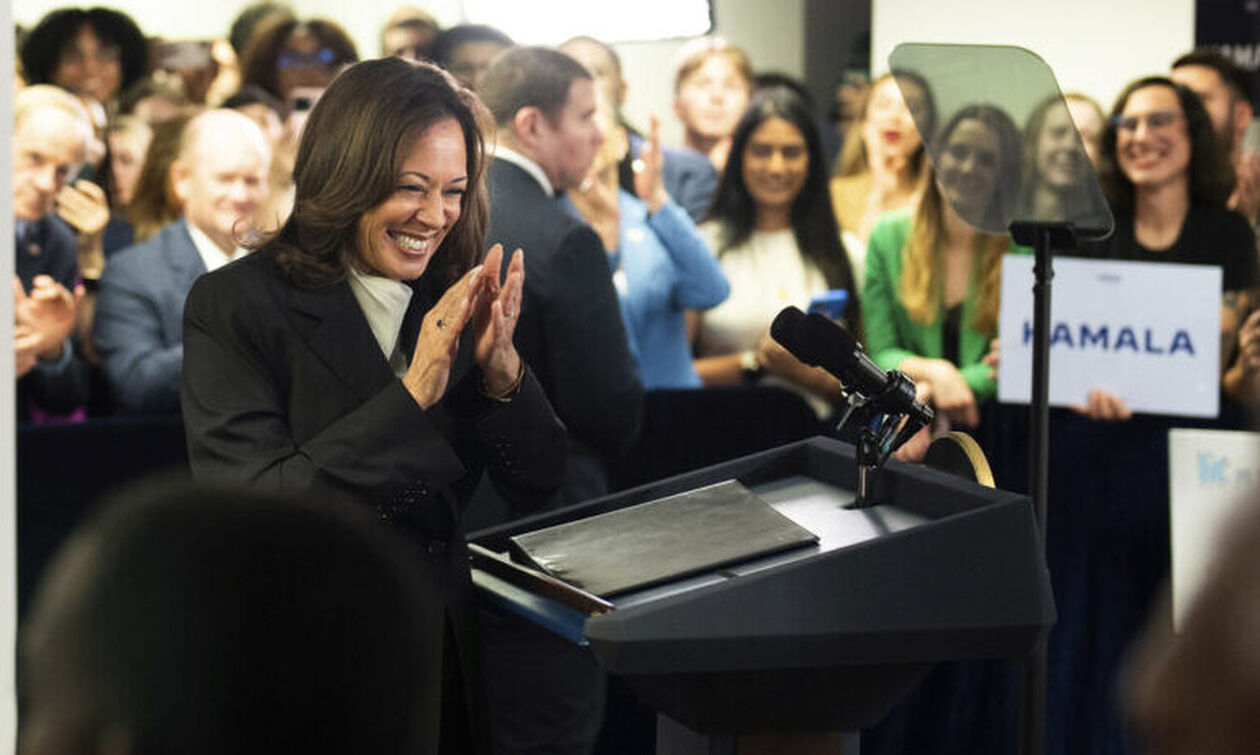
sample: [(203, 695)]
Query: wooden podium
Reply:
[(827, 638)]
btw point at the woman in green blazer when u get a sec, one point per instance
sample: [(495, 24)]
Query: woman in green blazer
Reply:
[(932, 280)]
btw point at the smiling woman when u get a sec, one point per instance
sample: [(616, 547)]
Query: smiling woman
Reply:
[(777, 241), (93, 53), (360, 350), (1168, 178), (398, 236)]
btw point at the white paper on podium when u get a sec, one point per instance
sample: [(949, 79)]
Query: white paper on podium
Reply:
[(1210, 472), (1147, 332)]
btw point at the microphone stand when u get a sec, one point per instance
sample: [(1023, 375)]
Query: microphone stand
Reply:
[(880, 434)]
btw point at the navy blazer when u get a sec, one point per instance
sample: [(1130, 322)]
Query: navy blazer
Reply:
[(138, 328)]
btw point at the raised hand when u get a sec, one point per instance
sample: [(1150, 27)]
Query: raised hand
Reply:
[(494, 321), (86, 209), (649, 166), (429, 373), (597, 202)]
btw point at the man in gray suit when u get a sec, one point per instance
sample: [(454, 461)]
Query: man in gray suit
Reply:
[(220, 176)]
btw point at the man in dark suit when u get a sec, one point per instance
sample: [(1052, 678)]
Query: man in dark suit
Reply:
[(51, 132), (570, 329), (546, 694), (220, 176), (689, 177)]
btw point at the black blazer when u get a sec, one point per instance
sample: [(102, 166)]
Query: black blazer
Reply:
[(286, 388), (570, 329)]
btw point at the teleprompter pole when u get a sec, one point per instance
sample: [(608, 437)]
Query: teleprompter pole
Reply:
[(1043, 238)]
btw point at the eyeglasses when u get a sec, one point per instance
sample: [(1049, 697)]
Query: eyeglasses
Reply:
[(1155, 121), (323, 56)]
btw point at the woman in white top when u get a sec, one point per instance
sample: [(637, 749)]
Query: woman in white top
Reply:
[(775, 235)]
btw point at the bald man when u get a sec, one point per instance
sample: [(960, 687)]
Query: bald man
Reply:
[(220, 177)]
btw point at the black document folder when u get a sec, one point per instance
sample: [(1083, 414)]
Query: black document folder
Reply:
[(662, 540)]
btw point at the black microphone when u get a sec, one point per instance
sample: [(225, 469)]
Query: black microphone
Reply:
[(783, 329), (819, 342)]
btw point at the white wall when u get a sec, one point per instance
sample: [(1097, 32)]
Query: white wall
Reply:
[(772, 33), (1093, 46)]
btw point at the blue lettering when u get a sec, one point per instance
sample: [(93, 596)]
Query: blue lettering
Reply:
[(1086, 336), (1126, 338), (1098, 337), (1181, 342), (1211, 470), (1061, 333)]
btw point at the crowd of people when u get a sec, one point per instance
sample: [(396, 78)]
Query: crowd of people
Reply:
[(289, 246)]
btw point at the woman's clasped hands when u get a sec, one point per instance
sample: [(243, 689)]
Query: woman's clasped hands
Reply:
[(492, 309)]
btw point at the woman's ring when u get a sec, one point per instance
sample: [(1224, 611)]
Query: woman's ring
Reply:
[(440, 324)]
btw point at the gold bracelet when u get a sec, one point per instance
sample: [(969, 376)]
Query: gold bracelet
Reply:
[(510, 392)]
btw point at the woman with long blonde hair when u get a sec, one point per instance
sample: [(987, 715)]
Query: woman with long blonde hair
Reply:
[(930, 304)]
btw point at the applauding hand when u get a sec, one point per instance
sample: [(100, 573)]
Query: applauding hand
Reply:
[(47, 313), (429, 373), (494, 318)]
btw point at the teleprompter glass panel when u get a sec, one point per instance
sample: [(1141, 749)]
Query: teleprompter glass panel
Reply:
[(1000, 136)]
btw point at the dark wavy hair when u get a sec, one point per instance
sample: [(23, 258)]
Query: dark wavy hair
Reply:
[(42, 47), (348, 161), (1211, 173), (813, 220), (249, 19), (1010, 152), (260, 64)]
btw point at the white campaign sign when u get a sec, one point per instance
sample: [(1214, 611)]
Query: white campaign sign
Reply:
[(1211, 472), (1147, 332)]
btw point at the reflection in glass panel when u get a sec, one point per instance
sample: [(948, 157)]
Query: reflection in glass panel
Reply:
[(1000, 136)]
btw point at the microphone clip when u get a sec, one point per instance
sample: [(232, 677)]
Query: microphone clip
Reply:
[(883, 430)]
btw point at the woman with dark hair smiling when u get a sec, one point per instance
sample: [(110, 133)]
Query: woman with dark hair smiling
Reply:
[(1168, 180), (776, 238), (1108, 528), (92, 53), (363, 349)]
